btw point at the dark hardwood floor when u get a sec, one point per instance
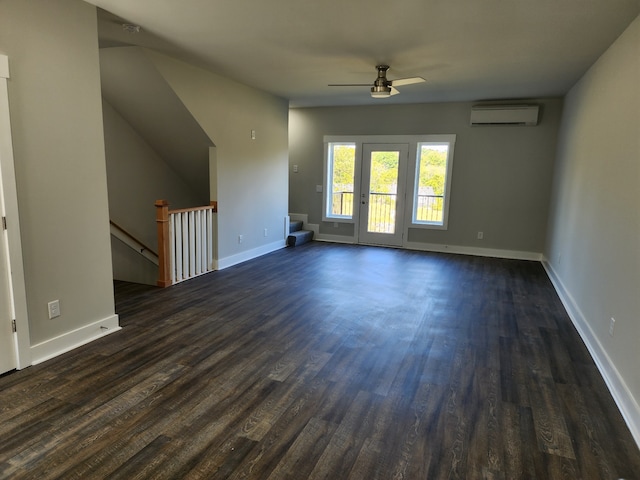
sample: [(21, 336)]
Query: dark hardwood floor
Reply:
[(325, 361)]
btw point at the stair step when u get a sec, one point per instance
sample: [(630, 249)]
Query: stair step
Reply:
[(295, 225), (299, 237)]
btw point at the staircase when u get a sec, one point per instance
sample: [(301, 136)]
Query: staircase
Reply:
[(298, 236)]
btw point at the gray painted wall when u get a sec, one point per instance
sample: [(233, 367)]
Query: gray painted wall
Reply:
[(137, 176), (61, 174), (135, 89), (593, 246), (501, 179), (251, 177), (56, 111)]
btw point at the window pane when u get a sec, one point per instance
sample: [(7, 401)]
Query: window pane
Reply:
[(342, 162), (431, 179), (382, 191)]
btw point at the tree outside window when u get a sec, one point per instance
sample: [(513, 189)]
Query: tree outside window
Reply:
[(431, 176), (341, 170)]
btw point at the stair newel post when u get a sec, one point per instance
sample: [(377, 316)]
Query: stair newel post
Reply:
[(164, 261)]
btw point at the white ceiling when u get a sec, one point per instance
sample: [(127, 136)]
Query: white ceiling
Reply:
[(467, 50)]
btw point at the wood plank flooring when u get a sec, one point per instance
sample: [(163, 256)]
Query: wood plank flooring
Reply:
[(325, 362)]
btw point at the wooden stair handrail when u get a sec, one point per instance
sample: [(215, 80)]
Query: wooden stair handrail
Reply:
[(128, 234)]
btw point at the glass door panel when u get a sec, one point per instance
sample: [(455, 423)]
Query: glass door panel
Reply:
[(383, 190), (382, 194)]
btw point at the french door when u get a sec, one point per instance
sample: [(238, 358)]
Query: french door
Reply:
[(382, 193)]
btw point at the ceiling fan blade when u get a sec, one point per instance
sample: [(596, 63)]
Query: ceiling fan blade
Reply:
[(349, 85), (398, 82), (394, 91)]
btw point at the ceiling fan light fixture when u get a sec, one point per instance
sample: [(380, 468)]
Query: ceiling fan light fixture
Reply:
[(382, 87), (380, 91)]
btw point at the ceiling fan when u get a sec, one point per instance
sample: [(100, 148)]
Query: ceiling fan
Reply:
[(383, 88)]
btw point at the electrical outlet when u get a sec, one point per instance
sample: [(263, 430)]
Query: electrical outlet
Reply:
[(54, 309), (612, 326), (266, 232), (480, 235), (240, 238)]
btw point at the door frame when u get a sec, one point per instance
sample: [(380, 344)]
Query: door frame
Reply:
[(382, 239), (14, 241), (354, 220)]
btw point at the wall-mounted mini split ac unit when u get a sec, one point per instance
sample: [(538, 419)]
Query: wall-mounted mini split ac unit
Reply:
[(504, 115)]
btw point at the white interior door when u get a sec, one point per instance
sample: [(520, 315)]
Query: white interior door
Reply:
[(382, 193)]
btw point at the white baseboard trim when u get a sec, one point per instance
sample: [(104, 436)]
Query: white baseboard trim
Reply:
[(323, 237), (476, 251), (457, 249), (621, 394), (66, 342), (249, 254)]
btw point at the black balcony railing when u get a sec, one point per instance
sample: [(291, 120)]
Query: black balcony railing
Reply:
[(342, 203), (382, 209), (382, 212), (429, 208)]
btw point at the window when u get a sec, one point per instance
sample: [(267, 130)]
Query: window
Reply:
[(341, 164), (424, 175), (432, 175)]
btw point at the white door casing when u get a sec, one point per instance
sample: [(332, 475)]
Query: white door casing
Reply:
[(15, 347), (8, 359)]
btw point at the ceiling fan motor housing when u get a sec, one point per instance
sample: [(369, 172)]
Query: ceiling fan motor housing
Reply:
[(381, 85)]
